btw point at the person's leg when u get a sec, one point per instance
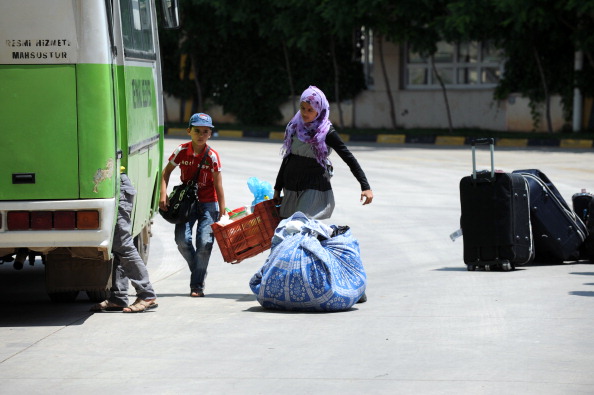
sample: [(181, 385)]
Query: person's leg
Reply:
[(208, 213), (131, 266), (118, 294)]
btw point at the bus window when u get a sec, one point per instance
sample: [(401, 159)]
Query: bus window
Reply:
[(137, 29)]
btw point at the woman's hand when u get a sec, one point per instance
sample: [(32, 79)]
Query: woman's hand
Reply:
[(366, 196), (277, 197)]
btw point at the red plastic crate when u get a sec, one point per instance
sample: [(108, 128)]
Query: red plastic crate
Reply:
[(248, 236)]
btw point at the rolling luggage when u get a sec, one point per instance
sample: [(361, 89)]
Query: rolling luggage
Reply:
[(558, 232), (583, 206), (495, 218)]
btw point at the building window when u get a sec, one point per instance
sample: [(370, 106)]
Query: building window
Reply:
[(466, 64)]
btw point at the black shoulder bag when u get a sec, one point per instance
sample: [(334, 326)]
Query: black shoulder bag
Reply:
[(183, 199)]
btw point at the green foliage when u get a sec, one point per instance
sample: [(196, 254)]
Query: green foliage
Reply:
[(240, 61), (250, 57), (538, 37), (539, 53)]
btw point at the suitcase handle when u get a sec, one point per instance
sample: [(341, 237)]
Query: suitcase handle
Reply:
[(480, 141)]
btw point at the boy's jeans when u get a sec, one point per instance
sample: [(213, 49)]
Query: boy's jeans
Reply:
[(197, 258)]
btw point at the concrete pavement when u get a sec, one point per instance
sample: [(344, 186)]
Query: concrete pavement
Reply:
[(429, 327)]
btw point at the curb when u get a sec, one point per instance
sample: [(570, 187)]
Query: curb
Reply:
[(409, 139)]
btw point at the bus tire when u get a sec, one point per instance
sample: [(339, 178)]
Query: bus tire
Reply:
[(98, 296), (63, 297)]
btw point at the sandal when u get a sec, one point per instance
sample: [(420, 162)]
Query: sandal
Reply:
[(106, 305), (197, 294), (140, 306)]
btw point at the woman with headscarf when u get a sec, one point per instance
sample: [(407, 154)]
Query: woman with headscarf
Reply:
[(304, 175)]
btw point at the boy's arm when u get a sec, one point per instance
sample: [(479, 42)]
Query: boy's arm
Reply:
[(164, 199), (218, 185)]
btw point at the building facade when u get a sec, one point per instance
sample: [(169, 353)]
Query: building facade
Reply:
[(469, 72)]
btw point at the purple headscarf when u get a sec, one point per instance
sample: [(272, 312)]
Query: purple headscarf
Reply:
[(313, 133)]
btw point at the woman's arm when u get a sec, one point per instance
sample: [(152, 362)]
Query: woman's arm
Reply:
[(279, 183), (334, 141)]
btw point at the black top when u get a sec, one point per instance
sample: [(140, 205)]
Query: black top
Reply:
[(298, 173)]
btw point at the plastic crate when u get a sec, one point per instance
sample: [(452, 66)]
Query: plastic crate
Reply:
[(248, 236)]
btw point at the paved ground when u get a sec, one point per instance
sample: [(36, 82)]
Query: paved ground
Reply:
[(429, 327)]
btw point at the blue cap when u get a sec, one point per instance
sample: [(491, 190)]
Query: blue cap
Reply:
[(201, 119)]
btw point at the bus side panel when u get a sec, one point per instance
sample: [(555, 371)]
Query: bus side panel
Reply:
[(97, 135), (140, 101), (145, 177), (38, 132), (142, 136)]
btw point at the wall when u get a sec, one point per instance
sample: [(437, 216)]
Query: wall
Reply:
[(422, 108)]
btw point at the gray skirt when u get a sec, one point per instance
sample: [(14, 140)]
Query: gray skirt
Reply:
[(314, 204)]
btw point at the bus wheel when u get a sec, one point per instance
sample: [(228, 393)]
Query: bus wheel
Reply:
[(143, 243), (63, 297)]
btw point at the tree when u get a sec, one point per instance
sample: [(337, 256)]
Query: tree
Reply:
[(347, 23), (322, 35), (243, 56), (377, 14), (249, 56), (536, 40), (413, 23)]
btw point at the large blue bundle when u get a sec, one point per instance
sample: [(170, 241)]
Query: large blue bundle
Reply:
[(311, 267)]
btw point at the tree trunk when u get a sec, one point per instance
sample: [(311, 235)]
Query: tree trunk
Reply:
[(445, 94), (545, 90), (354, 114), (590, 58), (289, 77), (380, 49), (336, 82)]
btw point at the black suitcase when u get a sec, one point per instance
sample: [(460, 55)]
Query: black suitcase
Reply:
[(583, 205), (558, 232), (495, 218)]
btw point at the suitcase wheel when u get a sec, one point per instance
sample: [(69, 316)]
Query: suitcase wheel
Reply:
[(505, 266)]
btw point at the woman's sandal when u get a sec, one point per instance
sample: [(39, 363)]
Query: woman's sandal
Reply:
[(106, 305), (140, 306)]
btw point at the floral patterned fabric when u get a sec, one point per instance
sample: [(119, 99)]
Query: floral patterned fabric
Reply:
[(311, 267)]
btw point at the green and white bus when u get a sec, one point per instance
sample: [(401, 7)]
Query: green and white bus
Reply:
[(80, 98)]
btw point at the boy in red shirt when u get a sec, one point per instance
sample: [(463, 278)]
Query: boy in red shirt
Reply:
[(211, 198)]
